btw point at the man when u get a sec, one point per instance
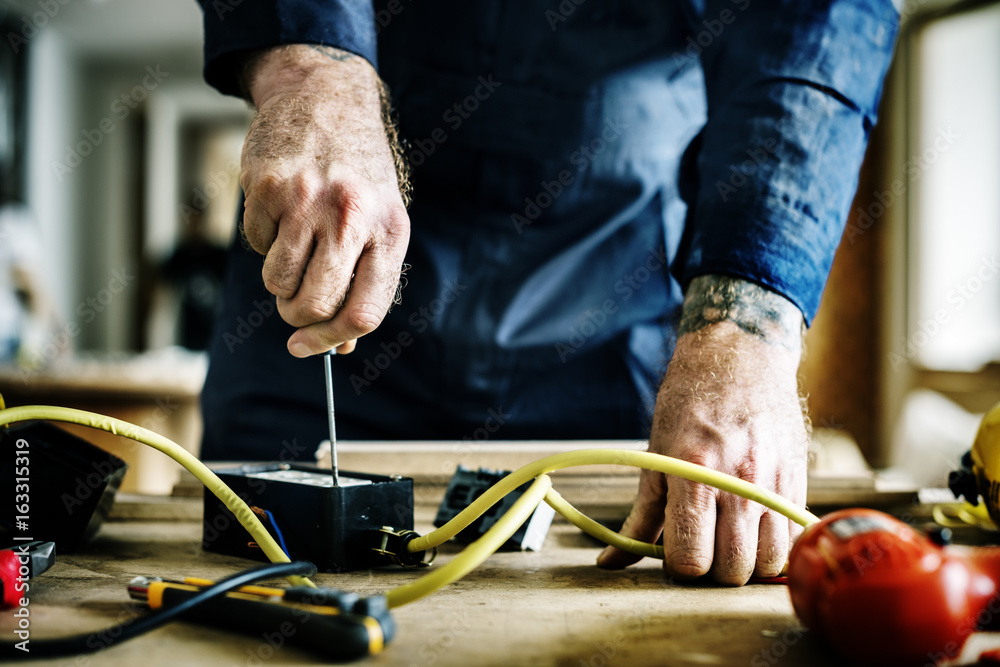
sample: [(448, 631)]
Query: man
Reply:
[(597, 186)]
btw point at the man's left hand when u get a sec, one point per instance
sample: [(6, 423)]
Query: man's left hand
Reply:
[(729, 401)]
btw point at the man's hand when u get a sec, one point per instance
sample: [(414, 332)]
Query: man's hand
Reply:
[(729, 401), (323, 202)]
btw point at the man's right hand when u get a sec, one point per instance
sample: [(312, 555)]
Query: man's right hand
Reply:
[(323, 202)]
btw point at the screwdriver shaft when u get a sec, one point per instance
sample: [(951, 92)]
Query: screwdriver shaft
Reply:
[(330, 415)]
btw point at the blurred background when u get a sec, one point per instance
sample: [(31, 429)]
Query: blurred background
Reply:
[(119, 179)]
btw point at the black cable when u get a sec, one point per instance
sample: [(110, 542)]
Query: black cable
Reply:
[(92, 642)]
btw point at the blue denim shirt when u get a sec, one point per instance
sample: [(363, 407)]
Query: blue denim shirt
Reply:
[(575, 164)]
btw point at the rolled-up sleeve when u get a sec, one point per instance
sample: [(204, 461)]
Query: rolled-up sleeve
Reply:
[(793, 87), (233, 27)]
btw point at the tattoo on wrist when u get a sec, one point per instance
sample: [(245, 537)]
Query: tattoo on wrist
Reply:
[(754, 309)]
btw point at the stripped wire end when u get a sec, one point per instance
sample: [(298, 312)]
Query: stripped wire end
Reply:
[(262, 514)]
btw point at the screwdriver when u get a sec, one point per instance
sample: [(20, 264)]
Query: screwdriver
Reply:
[(329, 410), (334, 624)]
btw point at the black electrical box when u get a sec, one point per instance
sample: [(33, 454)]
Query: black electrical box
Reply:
[(334, 527), (57, 487)]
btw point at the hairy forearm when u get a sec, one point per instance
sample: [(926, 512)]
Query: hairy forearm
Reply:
[(302, 88), (765, 315), (325, 195), (306, 69), (737, 331), (741, 333)]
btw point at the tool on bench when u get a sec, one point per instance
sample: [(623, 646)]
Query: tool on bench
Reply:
[(328, 622), (883, 593), (18, 565), (979, 474)]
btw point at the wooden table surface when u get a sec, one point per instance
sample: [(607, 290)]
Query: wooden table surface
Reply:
[(553, 607), (550, 608)]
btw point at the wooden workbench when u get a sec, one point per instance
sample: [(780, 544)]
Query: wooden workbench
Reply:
[(551, 608), (547, 608)]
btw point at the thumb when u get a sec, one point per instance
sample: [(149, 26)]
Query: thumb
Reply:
[(644, 522)]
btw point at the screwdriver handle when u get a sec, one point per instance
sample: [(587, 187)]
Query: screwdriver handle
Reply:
[(334, 636)]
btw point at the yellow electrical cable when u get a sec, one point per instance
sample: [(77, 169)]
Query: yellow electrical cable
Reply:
[(648, 460), (538, 469), (479, 550), (475, 553), (954, 515), (211, 481), (594, 529)]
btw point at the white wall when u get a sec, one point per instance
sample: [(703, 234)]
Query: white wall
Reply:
[(52, 91), (92, 214), (955, 309)]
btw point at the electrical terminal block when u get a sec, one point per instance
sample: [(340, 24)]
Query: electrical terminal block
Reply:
[(468, 484)]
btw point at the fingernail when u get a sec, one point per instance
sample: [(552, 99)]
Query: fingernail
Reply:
[(299, 350)]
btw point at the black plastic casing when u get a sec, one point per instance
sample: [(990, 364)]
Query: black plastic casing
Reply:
[(67, 485), (336, 527)]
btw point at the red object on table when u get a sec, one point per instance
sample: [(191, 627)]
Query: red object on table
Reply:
[(883, 593), (10, 566)]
